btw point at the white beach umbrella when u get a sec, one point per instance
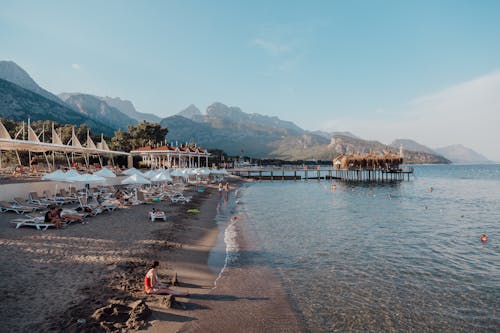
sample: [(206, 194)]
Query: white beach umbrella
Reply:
[(151, 173), (204, 172), (192, 172), (71, 173), (105, 172), (162, 177), (135, 179), (132, 171), (56, 175), (178, 173), (86, 178)]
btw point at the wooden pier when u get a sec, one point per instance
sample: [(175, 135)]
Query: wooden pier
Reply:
[(299, 173)]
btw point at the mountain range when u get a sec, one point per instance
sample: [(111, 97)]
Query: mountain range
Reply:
[(222, 127)]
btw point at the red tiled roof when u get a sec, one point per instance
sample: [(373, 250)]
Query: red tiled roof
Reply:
[(161, 148), (147, 148)]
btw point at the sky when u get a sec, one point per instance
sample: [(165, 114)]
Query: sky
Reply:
[(422, 70)]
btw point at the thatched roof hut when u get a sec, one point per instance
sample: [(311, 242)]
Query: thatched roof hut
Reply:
[(371, 161)]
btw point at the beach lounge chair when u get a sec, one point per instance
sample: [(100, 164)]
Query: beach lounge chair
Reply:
[(106, 205), (87, 207), (33, 221), (56, 199), (75, 216), (176, 197), (7, 206), (157, 215), (35, 199), (66, 196), (24, 202)]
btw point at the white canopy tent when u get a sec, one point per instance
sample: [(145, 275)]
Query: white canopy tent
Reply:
[(33, 144), (56, 175), (86, 178), (132, 171), (151, 173), (136, 179), (105, 172), (163, 176)]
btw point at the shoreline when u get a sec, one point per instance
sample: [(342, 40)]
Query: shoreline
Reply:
[(72, 272)]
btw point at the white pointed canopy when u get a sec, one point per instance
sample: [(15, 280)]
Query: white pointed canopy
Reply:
[(105, 172), (135, 179), (86, 178), (132, 171)]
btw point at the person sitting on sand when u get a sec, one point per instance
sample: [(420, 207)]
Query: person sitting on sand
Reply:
[(52, 217), (153, 286)]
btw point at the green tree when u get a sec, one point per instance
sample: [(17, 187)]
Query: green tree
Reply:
[(145, 133), (121, 141)]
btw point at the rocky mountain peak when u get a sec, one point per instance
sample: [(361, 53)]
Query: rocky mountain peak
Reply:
[(219, 110), (191, 112), (12, 72)]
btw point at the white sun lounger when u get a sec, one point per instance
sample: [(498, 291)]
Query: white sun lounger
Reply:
[(7, 206), (158, 215), (32, 223)]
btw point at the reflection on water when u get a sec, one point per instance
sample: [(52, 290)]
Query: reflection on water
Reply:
[(386, 257)]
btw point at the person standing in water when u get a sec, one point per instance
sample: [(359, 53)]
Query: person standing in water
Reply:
[(221, 189), (226, 191)]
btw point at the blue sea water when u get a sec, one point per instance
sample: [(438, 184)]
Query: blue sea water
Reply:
[(385, 257)]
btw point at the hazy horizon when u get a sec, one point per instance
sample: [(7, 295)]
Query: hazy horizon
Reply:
[(421, 70)]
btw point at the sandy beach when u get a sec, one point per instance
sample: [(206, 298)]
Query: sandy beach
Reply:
[(56, 280)]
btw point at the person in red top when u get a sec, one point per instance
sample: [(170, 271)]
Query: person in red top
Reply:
[(153, 286)]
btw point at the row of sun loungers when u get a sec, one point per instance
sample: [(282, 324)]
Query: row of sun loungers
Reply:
[(87, 205)]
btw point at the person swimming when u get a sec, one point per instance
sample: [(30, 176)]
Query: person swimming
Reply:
[(484, 238)]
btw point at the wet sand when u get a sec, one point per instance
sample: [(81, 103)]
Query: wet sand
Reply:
[(55, 280)]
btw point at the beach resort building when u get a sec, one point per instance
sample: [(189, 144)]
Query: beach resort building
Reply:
[(172, 156)]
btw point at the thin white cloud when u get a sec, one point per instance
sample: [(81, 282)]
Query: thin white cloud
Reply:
[(467, 113), (272, 48), (76, 67)]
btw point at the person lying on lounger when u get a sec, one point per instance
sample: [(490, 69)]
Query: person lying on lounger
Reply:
[(68, 217), (153, 286)]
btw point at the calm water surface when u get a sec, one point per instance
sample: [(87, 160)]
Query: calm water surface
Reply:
[(385, 257)]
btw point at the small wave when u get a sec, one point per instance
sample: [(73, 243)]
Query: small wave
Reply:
[(232, 248)]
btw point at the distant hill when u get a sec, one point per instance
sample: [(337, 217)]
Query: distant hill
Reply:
[(124, 106), (128, 108), (229, 129), (192, 112), (234, 142), (411, 145), (460, 154), (222, 116), (342, 144), (11, 72), (96, 109), (329, 135), (254, 135), (17, 103)]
